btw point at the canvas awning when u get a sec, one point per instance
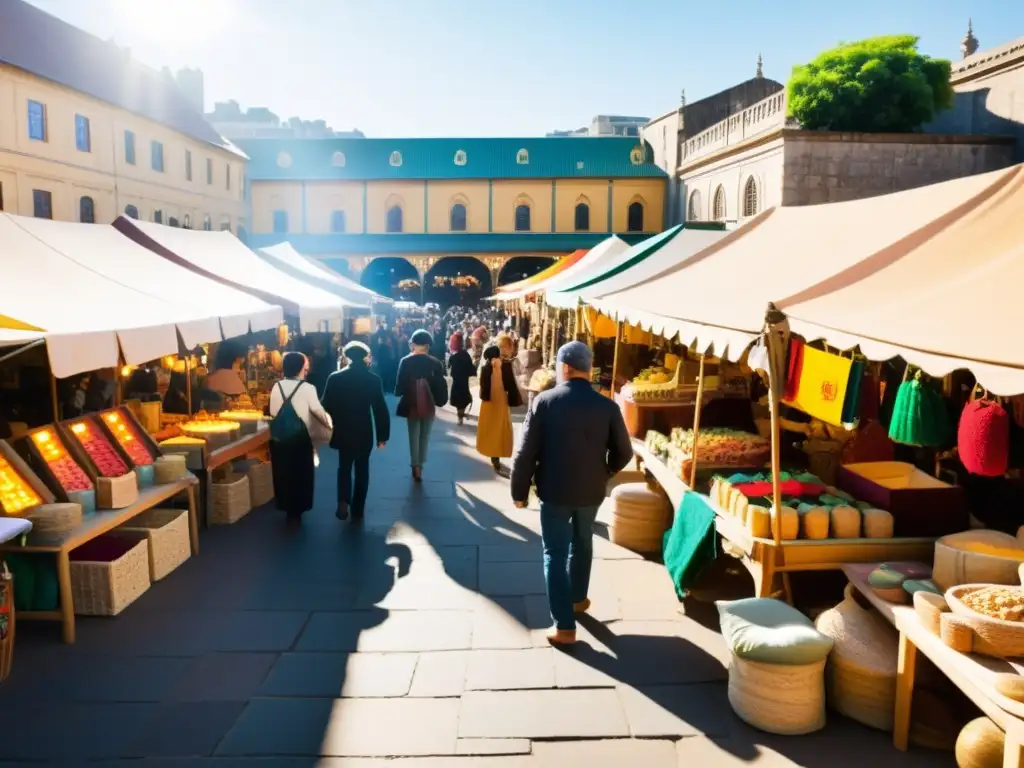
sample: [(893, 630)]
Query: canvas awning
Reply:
[(601, 253), (718, 296), (287, 259), (507, 291), (636, 264), (89, 289), (223, 257)]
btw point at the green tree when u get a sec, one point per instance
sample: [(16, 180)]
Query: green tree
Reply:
[(881, 84)]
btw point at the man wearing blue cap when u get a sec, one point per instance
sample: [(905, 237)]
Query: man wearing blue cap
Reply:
[(574, 441)]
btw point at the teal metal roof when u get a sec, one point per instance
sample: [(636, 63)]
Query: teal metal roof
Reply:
[(608, 157)]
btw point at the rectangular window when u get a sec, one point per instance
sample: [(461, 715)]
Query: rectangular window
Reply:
[(42, 204), (227, 177), (158, 216), (129, 147), (37, 121), (83, 139), (188, 165), (156, 155), (209, 171), (225, 225), (280, 222)]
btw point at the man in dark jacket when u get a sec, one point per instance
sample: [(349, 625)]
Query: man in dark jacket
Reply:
[(574, 441), (354, 398)]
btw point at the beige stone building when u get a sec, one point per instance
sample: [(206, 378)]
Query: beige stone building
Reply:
[(88, 134)]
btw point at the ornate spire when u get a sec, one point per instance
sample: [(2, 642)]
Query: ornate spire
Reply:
[(682, 99), (760, 69), (969, 45)]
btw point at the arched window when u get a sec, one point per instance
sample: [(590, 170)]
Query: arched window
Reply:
[(393, 219), (522, 218), (460, 157), (131, 211), (280, 222), (694, 212), (719, 207), (208, 223), (158, 216), (635, 217), (337, 221), (750, 197), (522, 157), (172, 222), (86, 211), (186, 222), (457, 218), (582, 217), (338, 159)]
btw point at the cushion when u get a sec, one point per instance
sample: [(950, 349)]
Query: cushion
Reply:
[(771, 631)]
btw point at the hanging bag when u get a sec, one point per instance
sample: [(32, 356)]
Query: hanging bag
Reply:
[(983, 437), (286, 425), (421, 401)]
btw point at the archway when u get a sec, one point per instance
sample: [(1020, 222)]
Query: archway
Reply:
[(459, 280), (522, 267), (394, 277)]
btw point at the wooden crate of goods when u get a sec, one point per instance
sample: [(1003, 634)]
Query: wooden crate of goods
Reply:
[(104, 459), (229, 499), (657, 384), (109, 573), (121, 426), (20, 489), (166, 531), (216, 432), (49, 456), (720, 447)]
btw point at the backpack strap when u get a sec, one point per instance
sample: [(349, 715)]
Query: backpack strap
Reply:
[(289, 398)]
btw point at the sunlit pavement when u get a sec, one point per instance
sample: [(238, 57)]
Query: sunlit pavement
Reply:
[(419, 635)]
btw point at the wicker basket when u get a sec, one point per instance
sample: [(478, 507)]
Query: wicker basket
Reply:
[(787, 699), (53, 521), (640, 517), (229, 500), (117, 492), (105, 587), (6, 621), (261, 484), (166, 530)]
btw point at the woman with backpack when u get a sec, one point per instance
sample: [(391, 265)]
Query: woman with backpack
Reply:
[(298, 419), (422, 388)]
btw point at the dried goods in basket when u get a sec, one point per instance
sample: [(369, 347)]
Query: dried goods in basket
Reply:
[(984, 618)]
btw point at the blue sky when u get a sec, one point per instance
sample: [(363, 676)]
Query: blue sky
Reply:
[(484, 68)]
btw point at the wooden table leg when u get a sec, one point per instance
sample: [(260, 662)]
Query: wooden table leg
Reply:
[(906, 669), (193, 517), (1013, 754), (67, 603)]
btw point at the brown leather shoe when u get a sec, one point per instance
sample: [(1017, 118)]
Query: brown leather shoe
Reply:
[(582, 606), (558, 636)]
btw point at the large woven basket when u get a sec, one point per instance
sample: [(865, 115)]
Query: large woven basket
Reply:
[(53, 521), (261, 484), (6, 621), (105, 588), (229, 500), (787, 699), (640, 517), (166, 530)]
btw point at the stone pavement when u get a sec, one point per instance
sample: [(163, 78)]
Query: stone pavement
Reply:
[(419, 636)]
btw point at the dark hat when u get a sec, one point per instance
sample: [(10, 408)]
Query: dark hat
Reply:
[(356, 350), (491, 352), (422, 339), (576, 355)]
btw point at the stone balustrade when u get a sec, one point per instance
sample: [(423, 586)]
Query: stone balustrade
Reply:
[(764, 116)]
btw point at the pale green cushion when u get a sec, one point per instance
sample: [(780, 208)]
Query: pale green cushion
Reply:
[(771, 631)]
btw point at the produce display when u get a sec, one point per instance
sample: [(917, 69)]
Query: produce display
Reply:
[(71, 477), (124, 432), (655, 384), (653, 375), (104, 456), (719, 446), (996, 601), (16, 495)]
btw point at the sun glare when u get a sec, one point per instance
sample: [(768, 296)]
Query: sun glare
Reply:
[(177, 23)]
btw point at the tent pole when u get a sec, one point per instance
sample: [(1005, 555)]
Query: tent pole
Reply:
[(696, 423), (188, 383), (777, 338), (615, 356), (54, 401), (19, 350)]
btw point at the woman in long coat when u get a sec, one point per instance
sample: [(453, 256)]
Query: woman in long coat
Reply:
[(461, 369), (499, 393)]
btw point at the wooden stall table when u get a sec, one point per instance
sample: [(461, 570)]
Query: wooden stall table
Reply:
[(768, 562), (91, 527), (857, 574)]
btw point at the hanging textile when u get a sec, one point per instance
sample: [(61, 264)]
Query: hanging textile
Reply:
[(823, 383)]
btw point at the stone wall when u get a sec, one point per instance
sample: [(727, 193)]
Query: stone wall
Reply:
[(827, 167), (662, 134), (701, 115)]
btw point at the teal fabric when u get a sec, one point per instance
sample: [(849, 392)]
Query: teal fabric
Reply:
[(691, 545), (851, 405), (771, 631)]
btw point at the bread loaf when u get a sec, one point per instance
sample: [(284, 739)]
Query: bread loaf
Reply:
[(814, 522), (845, 523), (878, 524), (759, 521), (790, 523)]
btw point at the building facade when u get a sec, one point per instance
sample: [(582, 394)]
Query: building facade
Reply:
[(350, 201), (89, 134), (607, 125), (232, 122)]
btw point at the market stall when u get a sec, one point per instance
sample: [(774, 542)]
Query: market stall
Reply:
[(283, 256)]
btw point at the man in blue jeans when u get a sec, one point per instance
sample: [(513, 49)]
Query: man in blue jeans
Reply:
[(574, 441)]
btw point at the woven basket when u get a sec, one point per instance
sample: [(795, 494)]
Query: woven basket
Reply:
[(166, 530), (261, 484), (117, 492), (640, 517), (6, 621), (169, 469), (787, 699), (229, 500), (105, 588), (53, 521), (861, 675)]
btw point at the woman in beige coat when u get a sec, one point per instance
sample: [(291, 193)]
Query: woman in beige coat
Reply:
[(499, 393)]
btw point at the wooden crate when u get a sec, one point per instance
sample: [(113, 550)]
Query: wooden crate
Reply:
[(24, 476)]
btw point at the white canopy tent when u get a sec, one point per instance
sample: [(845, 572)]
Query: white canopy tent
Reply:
[(91, 289), (719, 296), (287, 259), (604, 251), (223, 257)]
